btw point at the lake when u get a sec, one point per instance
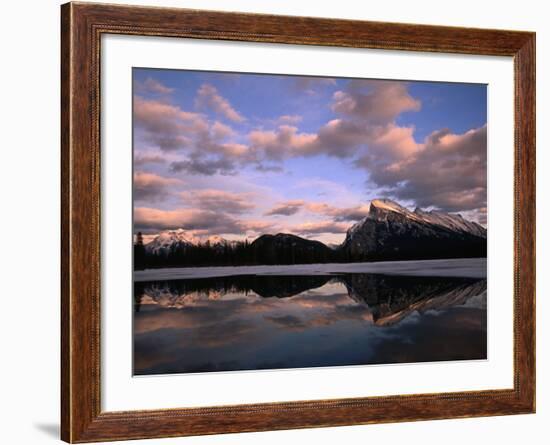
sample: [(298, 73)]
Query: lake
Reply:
[(273, 317)]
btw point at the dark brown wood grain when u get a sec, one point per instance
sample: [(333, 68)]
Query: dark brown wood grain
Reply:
[(81, 28)]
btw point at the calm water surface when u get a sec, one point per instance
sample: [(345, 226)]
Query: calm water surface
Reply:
[(247, 322)]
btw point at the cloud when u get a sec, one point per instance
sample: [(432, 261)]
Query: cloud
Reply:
[(218, 200), (207, 167), (285, 119), (286, 208), (340, 138), (310, 228), (481, 215), (203, 221), (167, 126), (448, 172), (189, 219), (208, 97), (207, 145), (367, 110), (149, 186), (231, 149), (211, 150), (282, 143), (394, 142), (256, 227), (151, 85), (340, 214), (445, 171), (378, 102), (289, 119), (144, 159), (268, 168), (311, 85), (221, 131)]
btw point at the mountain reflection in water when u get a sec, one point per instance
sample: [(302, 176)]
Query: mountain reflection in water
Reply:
[(249, 322)]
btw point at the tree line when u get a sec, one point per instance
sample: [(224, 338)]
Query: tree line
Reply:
[(241, 253)]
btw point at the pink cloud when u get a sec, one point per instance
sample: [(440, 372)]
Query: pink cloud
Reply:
[(207, 167), (447, 171), (286, 208), (289, 119), (208, 97), (312, 85), (374, 101), (279, 144), (221, 131), (218, 200), (152, 186), (317, 227), (339, 138), (257, 226), (340, 214), (189, 219), (197, 221), (166, 125), (231, 149), (151, 85), (171, 128), (158, 115), (395, 141), (144, 159)]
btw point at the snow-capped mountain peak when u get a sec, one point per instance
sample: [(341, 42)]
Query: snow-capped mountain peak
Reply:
[(388, 205), (165, 240), (169, 239), (212, 240), (452, 222), (381, 208), (391, 230)]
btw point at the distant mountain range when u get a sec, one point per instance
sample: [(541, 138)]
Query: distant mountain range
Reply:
[(388, 232), (170, 240)]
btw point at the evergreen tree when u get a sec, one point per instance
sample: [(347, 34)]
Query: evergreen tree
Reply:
[(139, 253)]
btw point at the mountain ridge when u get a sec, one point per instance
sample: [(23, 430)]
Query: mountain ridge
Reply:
[(168, 239), (389, 231)]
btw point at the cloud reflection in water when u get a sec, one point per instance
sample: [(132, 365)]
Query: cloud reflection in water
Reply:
[(267, 322)]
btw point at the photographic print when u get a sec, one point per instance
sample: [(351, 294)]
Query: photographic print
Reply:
[(291, 222)]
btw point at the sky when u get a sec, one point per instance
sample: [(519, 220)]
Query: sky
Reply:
[(238, 155)]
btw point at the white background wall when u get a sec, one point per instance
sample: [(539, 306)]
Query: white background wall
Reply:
[(29, 187)]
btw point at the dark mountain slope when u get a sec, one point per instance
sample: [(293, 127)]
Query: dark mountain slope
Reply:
[(393, 232)]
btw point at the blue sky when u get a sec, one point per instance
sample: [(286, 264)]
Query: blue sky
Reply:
[(237, 155)]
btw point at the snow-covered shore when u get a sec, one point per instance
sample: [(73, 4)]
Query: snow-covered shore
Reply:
[(461, 267)]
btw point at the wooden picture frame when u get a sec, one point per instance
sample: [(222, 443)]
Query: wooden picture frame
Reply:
[(82, 26)]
